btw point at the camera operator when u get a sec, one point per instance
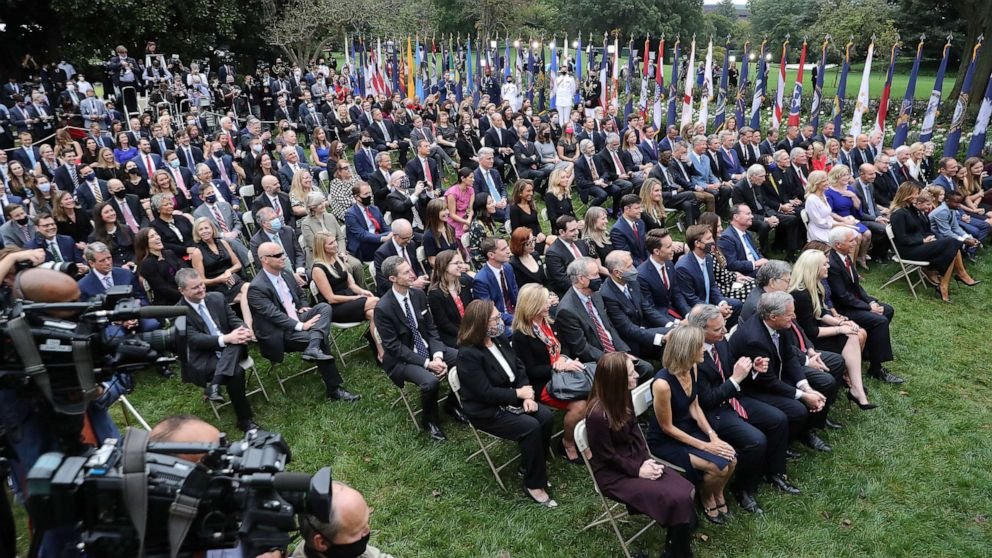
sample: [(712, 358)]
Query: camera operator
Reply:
[(343, 535), (156, 73), (124, 72)]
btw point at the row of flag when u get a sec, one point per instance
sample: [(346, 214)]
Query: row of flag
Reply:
[(457, 66)]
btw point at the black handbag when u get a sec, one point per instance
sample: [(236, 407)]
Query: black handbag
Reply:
[(572, 386)]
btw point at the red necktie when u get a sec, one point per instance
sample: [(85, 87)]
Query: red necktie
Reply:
[(148, 165), (427, 173), (507, 299), (575, 250), (375, 223), (664, 277), (220, 219), (799, 337), (604, 339), (617, 163), (734, 403)]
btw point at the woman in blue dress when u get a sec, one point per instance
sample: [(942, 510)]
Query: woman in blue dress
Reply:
[(846, 207), (678, 431)]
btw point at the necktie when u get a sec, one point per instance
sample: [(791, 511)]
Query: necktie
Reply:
[(626, 293), (108, 281), (575, 250), (385, 131), (617, 163), (664, 277), (30, 152), (752, 252), (418, 340), (604, 339), (869, 202), (428, 178), (372, 220), (276, 205), (220, 219), (754, 194), (277, 239), (493, 192), (592, 168), (507, 299), (180, 183), (97, 192), (799, 336), (161, 145), (850, 269), (149, 167), (129, 217), (201, 309), (26, 234), (71, 169), (175, 229), (734, 403), (189, 157), (223, 172), (53, 249), (706, 280), (775, 338), (286, 298), (637, 237)]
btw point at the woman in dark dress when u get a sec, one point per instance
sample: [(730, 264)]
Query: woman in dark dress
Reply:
[(558, 198), (497, 397), (468, 145), (523, 211), (134, 183), (335, 286), (219, 266), (678, 431), (68, 220), (915, 241), (438, 234), (828, 332), (115, 235), (595, 232), (621, 463), (157, 266), (482, 227), (449, 293), (526, 262)]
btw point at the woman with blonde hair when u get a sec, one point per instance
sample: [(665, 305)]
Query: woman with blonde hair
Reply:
[(536, 344), (678, 430), (300, 188), (830, 333), (818, 213), (106, 166), (846, 208), (219, 266), (558, 198), (596, 233), (819, 160), (652, 205)]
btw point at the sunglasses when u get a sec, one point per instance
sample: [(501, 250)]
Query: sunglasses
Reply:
[(279, 255)]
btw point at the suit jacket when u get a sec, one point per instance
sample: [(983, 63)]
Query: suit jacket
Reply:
[(85, 197), (157, 145), (380, 139), (747, 155), (691, 288), (485, 386), (785, 370), (389, 249), (262, 200), (481, 186), (496, 140), (415, 172), (703, 175), (90, 285), (63, 181), (733, 249), (859, 190), (885, 189), (681, 174), (792, 187), (286, 174), (185, 161), (609, 167), (583, 174), (860, 157), (139, 160), (774, 197), (730, 164), (272, 325), (446, 316), (380, 188), (20, 154), (364, 162), (714, 389), (526, 156), (169, 238), (556, 261), (846, 292), (294, 254), (944, 223), (487, 287), (231, 219), (623, 237), (944, 183), (67, 247), (226, 161), (653, 290), (766, 147), (744, 192), (637, 321), (200, 360), (577, 332), (12, 235), (362, 243), (787, 144), (598, 138), (397, 337), (399, 205)]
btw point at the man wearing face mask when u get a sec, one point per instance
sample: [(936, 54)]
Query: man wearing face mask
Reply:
[(636, 319), (365, 156), (695, 279), (18, 230), (128, 207), (364, 225), (272, 229), (584, 326), (91, 191), (345, 534)]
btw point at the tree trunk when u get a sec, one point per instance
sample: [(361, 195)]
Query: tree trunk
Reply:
[(979, 22)]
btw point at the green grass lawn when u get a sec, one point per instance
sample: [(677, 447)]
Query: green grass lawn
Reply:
[(908, 479)]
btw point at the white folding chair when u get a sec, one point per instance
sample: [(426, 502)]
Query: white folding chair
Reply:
[(372, 273), (612, 513), (421, 255), (805, 217), (484, 447), (246, 191), (513, 166), (906, 267), (251, 373), (388, 218), (128, 409), (338, 329), (643, 399)]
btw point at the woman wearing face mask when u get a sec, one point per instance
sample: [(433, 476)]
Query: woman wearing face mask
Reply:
[(41, 200), (68, 221), (468, 145), (497, 397), (115, 235), (134, 182)]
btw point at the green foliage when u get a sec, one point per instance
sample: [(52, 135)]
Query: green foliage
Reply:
[(639, 17), (777, 18), (845, 19)]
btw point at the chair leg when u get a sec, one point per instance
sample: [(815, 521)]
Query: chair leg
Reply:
[(334, 345), (129, 408)]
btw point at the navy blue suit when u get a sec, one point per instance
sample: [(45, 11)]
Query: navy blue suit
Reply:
[(691, 290), (654, 291), (139, 160), (67, 247), (481, 186), (944, 183), (735, 252), (626, 238), (637, 321), (650, 150), (215, 169), (487, 287), (361, 242), (365, 164)]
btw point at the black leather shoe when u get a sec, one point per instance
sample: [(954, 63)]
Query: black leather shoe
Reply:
[(315, 354), (792, 455), (165, 371), (212, 393), (747, 501), (718, 519), (247, 425), (434, 431), (833, 425), (779, 481), (341, 394), (815, 442), (887, 377), (456, 414)]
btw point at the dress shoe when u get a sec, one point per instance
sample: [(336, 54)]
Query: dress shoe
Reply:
[(886, 376), (315, 354), (745, 498), (779, 481), (833, 425), (341, 394), (718, 519), (792, 455), (434, 431), (247, 425), (212, 393), (548, 502), (862, 406), (165, 371), (815, 442), (456, 414)]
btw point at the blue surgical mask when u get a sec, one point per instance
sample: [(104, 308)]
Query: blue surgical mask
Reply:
[(212, 198), (276, 224), (174, 163), (45, 187)]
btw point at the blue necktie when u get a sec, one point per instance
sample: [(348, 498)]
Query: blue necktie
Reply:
[(706, 280), (869, 202), (202, 310), (30, 152), (749, 246), (492, 187), (418, 340)]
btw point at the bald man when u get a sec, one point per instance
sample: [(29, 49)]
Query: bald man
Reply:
[(345, 533)]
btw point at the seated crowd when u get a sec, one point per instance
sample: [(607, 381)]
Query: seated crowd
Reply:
[(448, 258)]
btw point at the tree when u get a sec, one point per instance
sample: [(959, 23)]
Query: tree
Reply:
[(844, 19), (777, 18), (639, 17)]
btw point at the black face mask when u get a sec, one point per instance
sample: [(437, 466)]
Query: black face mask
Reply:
[(350, 550), (133, 171), (22, 221), (120, 194), (595, 284), (366, 201)]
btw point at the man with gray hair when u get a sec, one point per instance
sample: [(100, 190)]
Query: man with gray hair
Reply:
[(789, 231), (291, 164), (584, 327), (528, 161), (773, 276), (704, 180), (489, 181), (590, 176), (779, 379), (637, 320), (616, 173), (758, 431)]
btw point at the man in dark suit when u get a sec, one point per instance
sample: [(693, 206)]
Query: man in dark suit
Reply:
[(292, 163), (386, 136), (885, 181), (283, 324), (796, 175), (565, 249), (495, 281), (501, 141), (268, 231), (628, 232), (767, 146), (404, 200), (413, 350), (402, 244), (66, 177), (27, 154), (789, 231), (529, 166), (656, 276), (636, 319), (221, 167), (365, 228), (415, 169), (791, 139), (851, 300), (189, 155), (216, 341), (695, 279), (272, 197), (673, 194), (128, 207), (489, 181), (584, 328), (590, 176), (160, 142), (873, 216), (862, 153), (758, 431), (736, 244), (379, 180), (649, 147), (589, 132), (747, 152), (91, 190), (779, 192), (615, 174), (365, 157), (671, 136), (59, 248), (731, 167), (826, 134), (777, 377), (147, 161)]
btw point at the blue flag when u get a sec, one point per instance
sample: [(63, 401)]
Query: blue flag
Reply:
[(954, 134), (578, 71), (933, 105), (759, 89), (742, 86), (841, 88), (628, 81), (906, 109), (554, 71), (814, 108), (981, 123)]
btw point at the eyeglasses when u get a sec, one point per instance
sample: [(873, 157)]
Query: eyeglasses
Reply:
[(279, 255)]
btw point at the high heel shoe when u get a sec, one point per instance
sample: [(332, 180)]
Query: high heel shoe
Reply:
[(718, 519), (862, 406), (942, 296), (973, 283)]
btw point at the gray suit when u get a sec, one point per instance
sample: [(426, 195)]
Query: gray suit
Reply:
[(310, 226), (233, 223), (437, 152), (287, 238), (13, 236)]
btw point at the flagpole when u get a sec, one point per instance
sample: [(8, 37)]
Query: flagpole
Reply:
[(954, 133), (814, 108), (673, 91), (760, 87), (721, 96)]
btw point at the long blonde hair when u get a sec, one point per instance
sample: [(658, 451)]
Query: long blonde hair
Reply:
[(815, 180), (683, 348), (530, 302), (806, 277), (654, 208), (589, 231)]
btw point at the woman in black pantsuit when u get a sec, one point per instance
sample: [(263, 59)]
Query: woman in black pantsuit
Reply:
[(497, 397), (449, 294)]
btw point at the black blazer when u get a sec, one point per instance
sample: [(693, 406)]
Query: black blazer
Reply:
[(160, 275), (808, 321), (635, 320), (169, 238), (445, 313), (537, 361), (752, 196), (845, 292), (714, 390), (200, 359), (387, 249), (785, 371), (273, 326), (397, 339), (485, 385), (262, 200), (556, 262), (399, 205)]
